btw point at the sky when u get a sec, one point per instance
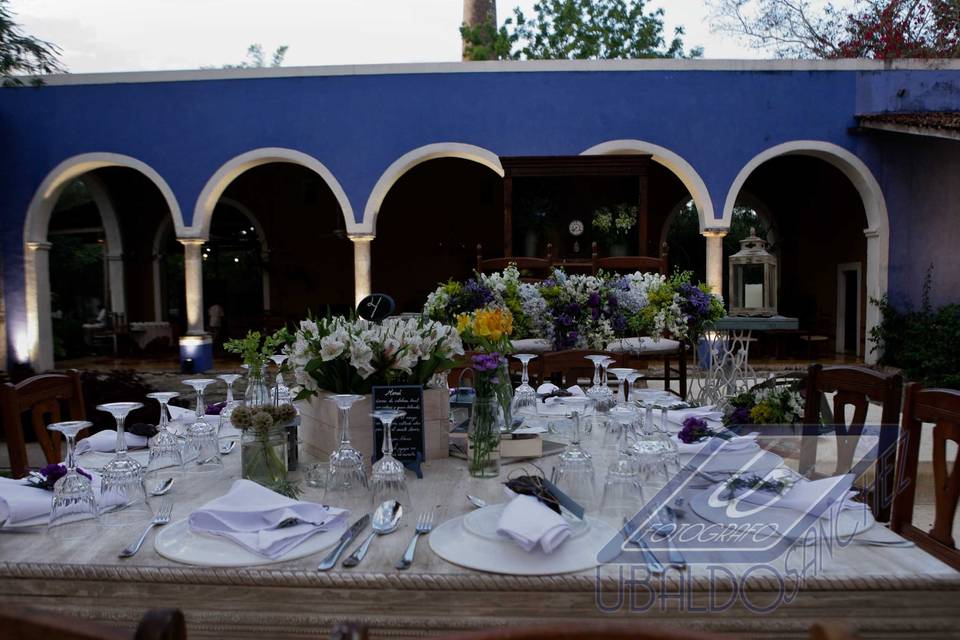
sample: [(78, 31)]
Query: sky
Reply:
[(139, 35)]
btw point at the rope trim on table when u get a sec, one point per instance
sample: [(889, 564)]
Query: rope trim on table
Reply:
[(453, 582)]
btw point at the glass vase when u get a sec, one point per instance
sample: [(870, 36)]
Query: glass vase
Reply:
[(257, 393), (263, 457), (483, 437)]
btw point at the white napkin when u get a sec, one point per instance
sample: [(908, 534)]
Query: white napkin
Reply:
[(736, 443), (106, 442), (249, 514), (804, 494), (20, 502), (529, 522), (180, 413), (707, 413)]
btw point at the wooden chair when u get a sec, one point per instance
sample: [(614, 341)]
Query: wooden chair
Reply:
[(43, 397), (116, 330), (564, 368), (856, 387), (942, 408), (538, 268), (646, 264), (34, 624)]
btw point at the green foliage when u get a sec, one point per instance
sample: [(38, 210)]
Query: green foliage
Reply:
[(577, 29), (255, 58), (22, 54), (255, 354), (924, 343), (615, 222)]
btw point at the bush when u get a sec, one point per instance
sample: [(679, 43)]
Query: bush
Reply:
[(924, 343)]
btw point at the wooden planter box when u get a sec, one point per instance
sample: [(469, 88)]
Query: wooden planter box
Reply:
[(319, 416)]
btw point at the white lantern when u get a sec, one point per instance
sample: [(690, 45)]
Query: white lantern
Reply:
[(753, 279)]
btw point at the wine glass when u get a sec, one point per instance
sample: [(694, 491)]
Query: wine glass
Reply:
[(346, 477), (166, 454), (203, 446), (388, 478), (281, 392), (525, 396), (227, 411), (631, 380), (622, 488), (621, 374), (620, 425), (575, 476), (608, 397), (121, 484), (73, 499), (595, 389)]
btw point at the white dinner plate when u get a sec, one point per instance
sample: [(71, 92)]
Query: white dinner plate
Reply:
[(452, 542), (749, 461), (178, 543), (483, 523)]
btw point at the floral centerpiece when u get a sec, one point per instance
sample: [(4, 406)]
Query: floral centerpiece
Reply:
[(263, 445), (614, 223), (779, 405), (255, 351)]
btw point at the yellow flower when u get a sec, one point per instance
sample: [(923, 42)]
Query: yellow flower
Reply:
[(762, 414), (463, 322), (493, 323)]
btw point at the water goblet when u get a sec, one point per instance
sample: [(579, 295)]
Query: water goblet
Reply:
[(608, 397), (631, 381), (388, 478), (166, 453), (74, 502), (622, 374), (525, 396), (575, 475), (232, 403), (203, 447), (622, 488), (346, 477), (121, 484), (619, 428), (595, 390), (281, 392)]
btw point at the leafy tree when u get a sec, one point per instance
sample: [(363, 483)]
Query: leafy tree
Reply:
[(881, 29), (255, 58), (22, 54), (576, 29)]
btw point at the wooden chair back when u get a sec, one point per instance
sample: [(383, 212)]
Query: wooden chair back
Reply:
[(941, 407), (856, 387), (43, 397), (620, 264), (33, 624), (538, 268), (563, 368)]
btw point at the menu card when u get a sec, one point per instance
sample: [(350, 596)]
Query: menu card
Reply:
[(407, 433)]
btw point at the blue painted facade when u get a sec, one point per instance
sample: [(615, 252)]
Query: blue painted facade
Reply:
[(357, 125)]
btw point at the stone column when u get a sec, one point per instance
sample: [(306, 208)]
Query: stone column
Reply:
[(362, 279), (115, 278), (193, 275), (715, 259), (157, 288), (39, 324)]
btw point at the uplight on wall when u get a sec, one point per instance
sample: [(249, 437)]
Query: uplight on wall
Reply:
[(21, 347)]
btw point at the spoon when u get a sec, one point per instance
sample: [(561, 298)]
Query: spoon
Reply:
[(162, 487), (228, 447), (479, 503), (385, 520)]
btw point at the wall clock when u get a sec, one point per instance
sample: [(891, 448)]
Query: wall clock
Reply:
[(576, 228)]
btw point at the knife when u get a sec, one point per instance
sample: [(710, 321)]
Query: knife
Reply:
[(344, 542)]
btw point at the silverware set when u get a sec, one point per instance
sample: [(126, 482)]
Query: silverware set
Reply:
[(162, 518), (385, 520)]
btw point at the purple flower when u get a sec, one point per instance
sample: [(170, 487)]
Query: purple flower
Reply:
[(694, 430), (486, 362), (215, 409), (741, 415), (594, 300), (53, 472)]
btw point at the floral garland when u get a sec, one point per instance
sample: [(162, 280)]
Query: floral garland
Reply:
[(780, 405)]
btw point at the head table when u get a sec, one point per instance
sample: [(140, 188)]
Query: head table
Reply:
[(885, 591)]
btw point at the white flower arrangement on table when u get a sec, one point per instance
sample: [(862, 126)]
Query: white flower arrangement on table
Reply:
[(351, 356)]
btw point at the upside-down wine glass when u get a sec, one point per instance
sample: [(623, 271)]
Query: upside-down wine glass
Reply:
[(388, 479), (631, 381), (346, 477), (609, 399), (621, 374), (596, 389), (166, 453), (622, 488), (524, 396), (121, 484), (232, 403), (575, 475), (281, 392), (203, 447), (74, 502)]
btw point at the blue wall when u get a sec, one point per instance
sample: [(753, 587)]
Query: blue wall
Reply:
[(357, 125)]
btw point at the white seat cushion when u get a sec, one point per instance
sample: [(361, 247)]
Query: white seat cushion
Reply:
[(531, 345), (644, 346)]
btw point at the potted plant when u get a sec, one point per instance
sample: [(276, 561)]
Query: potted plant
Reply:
[(613, 226)]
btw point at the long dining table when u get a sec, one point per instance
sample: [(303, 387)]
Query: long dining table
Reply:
[(886, 592)]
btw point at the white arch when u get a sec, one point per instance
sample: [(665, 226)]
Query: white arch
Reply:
[(680, 167), (39, 331), (411, 159), (874, 205), (203, 210)]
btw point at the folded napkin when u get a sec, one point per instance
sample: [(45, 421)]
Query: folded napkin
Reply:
[(805, 494), (20, 502), (180, 413), (106, 442), (708, 413), (250, 514), (547, 388), (529, 523), (736, 443)]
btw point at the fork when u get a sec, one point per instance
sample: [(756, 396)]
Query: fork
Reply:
[(424, 525), (162, 518)]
